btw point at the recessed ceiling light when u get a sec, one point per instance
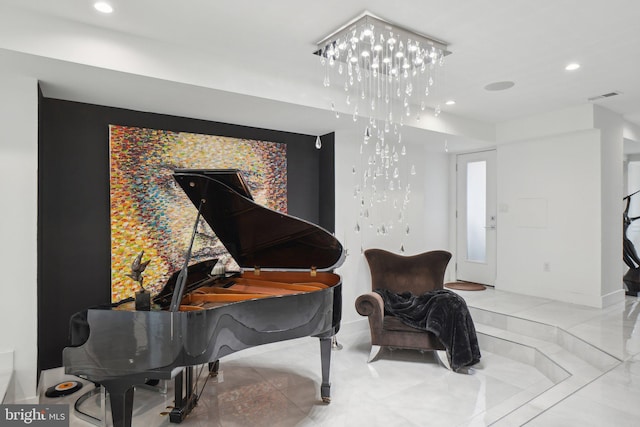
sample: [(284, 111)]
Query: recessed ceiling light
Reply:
[(499, 85), (450, 102), (573, 66), (103, 7)]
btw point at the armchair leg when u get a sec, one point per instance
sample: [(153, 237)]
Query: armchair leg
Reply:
[(443, 358), (374, 353)]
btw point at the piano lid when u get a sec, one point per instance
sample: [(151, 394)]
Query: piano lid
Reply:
[(254, 235)]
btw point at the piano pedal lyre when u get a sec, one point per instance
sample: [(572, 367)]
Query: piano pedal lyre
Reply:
[(214, 367)]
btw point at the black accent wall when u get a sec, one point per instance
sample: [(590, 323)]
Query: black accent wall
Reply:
[(73, 202)]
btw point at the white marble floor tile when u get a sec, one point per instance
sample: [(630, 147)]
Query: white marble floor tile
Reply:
[(579, 411), (616, 389), (503, 302)]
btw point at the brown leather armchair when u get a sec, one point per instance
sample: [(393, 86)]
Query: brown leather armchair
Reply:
[(416, 274)]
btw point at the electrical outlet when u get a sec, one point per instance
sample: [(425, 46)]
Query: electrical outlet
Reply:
[(546, 266)]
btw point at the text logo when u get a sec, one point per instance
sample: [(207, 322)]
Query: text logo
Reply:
[(34, 415)]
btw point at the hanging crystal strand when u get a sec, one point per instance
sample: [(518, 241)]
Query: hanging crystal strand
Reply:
[(334, 51), (403, 93), (355, 95), (388, 85), (382, 96), (441, 76), (396, 89), (359, 86), (329, 64), (377, 78), (370, 105), (436, 76), (421, 90), (375, 73), (325, 63)]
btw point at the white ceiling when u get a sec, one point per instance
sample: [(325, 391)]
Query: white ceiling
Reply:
[(250, 62)]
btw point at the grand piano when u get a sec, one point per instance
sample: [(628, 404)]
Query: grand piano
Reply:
[(285, 290)]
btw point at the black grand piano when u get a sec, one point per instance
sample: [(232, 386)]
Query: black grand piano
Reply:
[(285, 291)]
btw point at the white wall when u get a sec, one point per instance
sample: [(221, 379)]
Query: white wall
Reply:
[(18, 228), (560, 177), (560, 201), (427, 214), (547, 124), (611, 127)]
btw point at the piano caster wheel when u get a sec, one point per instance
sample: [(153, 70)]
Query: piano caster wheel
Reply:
[(335, 345), (326, 400)]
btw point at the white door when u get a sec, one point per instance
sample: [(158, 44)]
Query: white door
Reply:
[(476, 217)]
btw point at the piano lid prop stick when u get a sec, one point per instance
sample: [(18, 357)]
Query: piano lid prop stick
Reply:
[(182, 277)]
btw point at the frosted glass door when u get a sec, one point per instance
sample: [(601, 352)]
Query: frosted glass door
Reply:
[(476, 218)]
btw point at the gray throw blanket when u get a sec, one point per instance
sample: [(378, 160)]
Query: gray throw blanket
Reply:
[(443, 313)]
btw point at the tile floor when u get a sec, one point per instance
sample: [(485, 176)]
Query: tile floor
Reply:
[(544, 363)]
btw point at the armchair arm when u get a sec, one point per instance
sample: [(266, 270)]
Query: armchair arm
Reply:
[(371, 305)]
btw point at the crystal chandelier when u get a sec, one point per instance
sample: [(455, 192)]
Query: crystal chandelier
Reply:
[(386, 74)]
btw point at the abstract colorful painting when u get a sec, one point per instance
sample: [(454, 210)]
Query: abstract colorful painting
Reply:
[(150, 212)]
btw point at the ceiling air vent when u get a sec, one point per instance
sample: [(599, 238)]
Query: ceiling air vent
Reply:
[(604, 95)]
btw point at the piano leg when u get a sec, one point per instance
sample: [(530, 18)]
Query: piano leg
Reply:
[(121, 397), (325, 358)]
